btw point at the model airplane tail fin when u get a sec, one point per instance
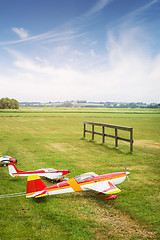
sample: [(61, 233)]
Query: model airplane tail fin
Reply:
[(12, 169), (35, 187)]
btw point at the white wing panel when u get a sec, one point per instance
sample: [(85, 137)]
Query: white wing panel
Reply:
[(52, 175), (105, 187), (98, 186)]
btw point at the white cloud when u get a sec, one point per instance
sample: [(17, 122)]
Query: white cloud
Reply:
[(21, 32), (92, 53), (77, 53), (126, 71), (127, 76), (100, 4), (142, 9)]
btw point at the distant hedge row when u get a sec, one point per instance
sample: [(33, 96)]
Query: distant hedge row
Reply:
[(6, 103)]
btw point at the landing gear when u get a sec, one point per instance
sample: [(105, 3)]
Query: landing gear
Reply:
[(63, 179), (111, 197)]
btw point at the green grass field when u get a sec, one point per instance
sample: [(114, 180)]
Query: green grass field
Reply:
[(42, 138)]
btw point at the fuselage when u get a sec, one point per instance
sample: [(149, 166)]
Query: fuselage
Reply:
[(39, 172), (73, 185)]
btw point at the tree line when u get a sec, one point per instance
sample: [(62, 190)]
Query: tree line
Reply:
[(6, 103)]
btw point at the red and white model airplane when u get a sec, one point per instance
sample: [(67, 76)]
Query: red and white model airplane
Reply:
[(104, 184), (7, 159), (46, 172)]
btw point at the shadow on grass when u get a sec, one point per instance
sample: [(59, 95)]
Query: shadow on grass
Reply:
[(105, 146), (39, 200), (2, 166)]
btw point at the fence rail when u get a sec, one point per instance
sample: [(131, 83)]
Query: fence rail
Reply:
[(103, 134)]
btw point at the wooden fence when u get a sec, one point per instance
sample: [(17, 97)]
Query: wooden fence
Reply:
[(103, 133)]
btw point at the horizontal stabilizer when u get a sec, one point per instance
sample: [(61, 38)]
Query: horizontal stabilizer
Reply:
[(41, 194)]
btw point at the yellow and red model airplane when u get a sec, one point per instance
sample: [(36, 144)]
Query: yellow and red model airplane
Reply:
[(104, 184)]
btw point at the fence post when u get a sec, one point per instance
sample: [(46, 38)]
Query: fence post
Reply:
[(92, 132), (103, 137), (116, 139), (131, 140), (84, 130)]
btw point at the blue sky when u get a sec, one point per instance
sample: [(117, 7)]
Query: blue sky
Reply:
[(94, 50)]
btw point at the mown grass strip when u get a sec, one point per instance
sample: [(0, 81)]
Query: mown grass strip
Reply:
[(56, 142)]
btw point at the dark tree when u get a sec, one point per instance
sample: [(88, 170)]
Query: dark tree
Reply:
[(6, 103)]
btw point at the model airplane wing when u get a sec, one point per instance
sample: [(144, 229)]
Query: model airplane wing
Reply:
[(105, 188), (53, 175)]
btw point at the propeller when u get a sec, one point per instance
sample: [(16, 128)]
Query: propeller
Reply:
[(127, 173)]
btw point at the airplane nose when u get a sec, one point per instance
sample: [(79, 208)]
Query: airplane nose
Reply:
[(13, 160), (127, 173)]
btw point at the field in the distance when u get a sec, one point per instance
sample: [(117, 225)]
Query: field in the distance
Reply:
[(42, 138)]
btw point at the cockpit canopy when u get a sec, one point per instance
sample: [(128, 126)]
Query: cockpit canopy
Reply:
[(85, 177), (48, 169)]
